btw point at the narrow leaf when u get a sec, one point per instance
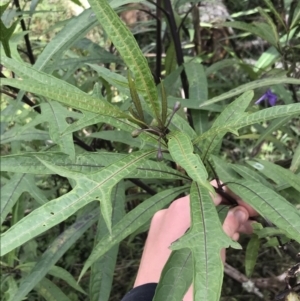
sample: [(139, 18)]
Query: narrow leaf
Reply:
[(277, 173), (54, 252), (50, 291), (135, 98), (266, 82), (296, 159), (251, 254), (268, 204), (129, 50), (232, 112), (252, 118), (181, 150)]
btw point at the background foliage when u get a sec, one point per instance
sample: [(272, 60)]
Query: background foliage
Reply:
[(110, 113)]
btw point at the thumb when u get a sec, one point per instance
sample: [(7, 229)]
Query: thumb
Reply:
[(233, 221)]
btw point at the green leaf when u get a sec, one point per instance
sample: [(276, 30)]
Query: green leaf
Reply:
[(129, 50), (131, 222), (250, 174), (46, 85), (181, 150), (197, 81), (87, 189), (148, 140), (86, 163), (295, 14), (22, 133), (260, 29), (205, 239), (75, 29), (268, 204), (135, 98), (270, 56), (115, 79), (118, 136), (6, 33), (251, 254), (264, 200), (176, 276), (232, 112), (275, 124), (170, 61), (270, 23), (193, 104), (296, 159), (178, 123), (102, 270), (276, 173), (224, 63), (54, 252), (276, 14), (252, 118), (12, 190), (250, 86), (164, 104), (55, 114), (198, 90), (50, 291)]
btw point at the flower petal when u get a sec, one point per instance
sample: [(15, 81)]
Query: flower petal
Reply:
[(261, 99)]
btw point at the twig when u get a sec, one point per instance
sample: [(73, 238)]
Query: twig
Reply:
[(26, 36)]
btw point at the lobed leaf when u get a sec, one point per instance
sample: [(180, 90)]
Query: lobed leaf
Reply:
[(87, 189), (102, 270), (205, 239)]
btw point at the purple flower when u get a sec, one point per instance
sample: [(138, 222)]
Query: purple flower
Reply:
[(270, 97)]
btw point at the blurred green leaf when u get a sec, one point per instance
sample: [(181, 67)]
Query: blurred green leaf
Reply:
[(250, 86), (54, 252), (296, 159), (176, 276), (260, 29), (276, 173), (251, 254), (50, 291)]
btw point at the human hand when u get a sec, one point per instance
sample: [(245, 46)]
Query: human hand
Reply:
[(170, 224)]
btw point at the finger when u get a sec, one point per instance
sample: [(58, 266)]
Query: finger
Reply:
[(234, 220), (251, 211), (217, 199)]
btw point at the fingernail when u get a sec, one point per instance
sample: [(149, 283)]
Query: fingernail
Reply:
[(240, 215)]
